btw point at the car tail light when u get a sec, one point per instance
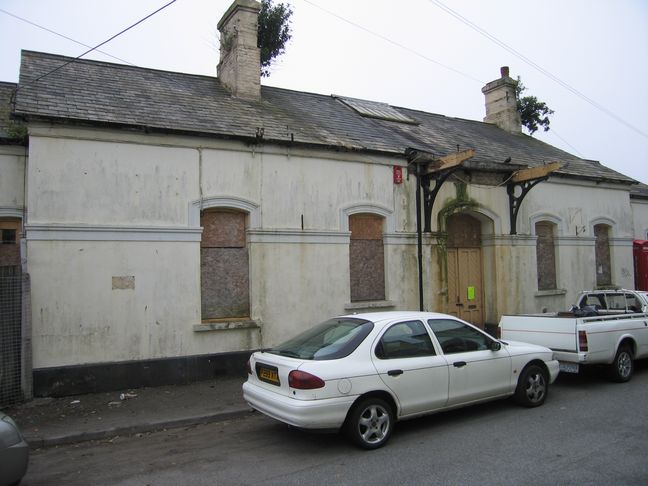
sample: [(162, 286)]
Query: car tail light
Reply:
[(582, 340), (304, 381), (248, 367)]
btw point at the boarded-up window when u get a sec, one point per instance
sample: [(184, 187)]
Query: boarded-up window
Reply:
[(546, 256), (602, 255), (9, 242), (464, 231), (224, 265), (367, 257)]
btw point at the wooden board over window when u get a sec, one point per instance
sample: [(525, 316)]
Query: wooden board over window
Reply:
[(222, 229), (602, 255), (366, 258), (546, 256), (224, 265), (464, 231), (366, 227)]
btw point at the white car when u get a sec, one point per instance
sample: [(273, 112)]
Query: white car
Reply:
[(360, 373)]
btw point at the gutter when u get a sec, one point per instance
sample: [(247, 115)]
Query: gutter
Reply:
[(249, 140)]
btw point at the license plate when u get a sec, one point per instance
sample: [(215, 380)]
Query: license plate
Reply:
[(566, 367), (268, 375)]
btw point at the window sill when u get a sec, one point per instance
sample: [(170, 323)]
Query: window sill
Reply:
[(225, 325), (370, 304), (550, 293)]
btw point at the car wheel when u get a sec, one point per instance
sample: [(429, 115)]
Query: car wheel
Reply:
[(622, 367), (532, 387), (370, 423)]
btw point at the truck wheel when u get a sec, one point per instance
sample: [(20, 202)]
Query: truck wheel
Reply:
[(622, 367), (532, 387), (370, 423)]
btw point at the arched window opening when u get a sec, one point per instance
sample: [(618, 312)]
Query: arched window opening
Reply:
[(546, 255), (602, 255), (224, 265), (366, 257)]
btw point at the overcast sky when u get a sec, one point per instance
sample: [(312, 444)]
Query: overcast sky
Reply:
[(410, 53)]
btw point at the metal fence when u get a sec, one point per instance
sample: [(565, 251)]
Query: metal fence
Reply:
[(15, 336)]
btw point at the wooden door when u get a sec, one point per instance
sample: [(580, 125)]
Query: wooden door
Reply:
[(465, 287)]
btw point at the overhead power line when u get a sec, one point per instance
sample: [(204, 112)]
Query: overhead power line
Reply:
[(27, 21), (533, 64), (93, 48), (391, 41)]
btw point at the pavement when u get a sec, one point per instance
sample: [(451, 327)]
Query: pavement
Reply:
[(47, 422)]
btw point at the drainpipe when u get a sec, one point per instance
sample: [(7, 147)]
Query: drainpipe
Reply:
[(419, 234)]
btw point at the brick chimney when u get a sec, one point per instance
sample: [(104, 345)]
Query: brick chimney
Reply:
[(239, 69), (501, 103)]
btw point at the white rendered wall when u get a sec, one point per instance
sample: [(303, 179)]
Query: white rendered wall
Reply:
[(12, 180), (114, 241), (640, 218)]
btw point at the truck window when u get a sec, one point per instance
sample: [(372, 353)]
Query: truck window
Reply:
[(595, 300), (632, 303), (616, 302)]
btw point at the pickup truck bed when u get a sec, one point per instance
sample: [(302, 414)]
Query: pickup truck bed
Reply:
[(614, 340)]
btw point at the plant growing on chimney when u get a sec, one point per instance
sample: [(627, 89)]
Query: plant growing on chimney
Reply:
[(273, 32), (533, 113)]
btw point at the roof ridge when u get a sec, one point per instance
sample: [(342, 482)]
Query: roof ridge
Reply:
[(113, 64)]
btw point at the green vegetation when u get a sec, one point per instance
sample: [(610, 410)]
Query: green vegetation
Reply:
[(533, 113), (274, 32)]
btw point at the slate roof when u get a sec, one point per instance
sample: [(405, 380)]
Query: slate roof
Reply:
[(640, 191), (94, 92)]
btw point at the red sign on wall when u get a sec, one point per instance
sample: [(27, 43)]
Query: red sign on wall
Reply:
[(398, 174)]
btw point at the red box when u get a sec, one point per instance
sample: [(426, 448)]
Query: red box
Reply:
[(640, 254), (398, 174)]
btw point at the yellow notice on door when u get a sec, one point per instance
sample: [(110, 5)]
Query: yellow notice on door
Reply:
[(471, 293)]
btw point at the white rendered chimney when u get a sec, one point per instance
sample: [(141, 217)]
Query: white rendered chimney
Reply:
[(239, 69), (501, 103)]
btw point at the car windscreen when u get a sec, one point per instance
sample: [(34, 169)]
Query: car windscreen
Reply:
[(332, 339)]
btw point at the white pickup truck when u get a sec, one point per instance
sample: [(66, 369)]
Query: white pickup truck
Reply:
[(611, 339)]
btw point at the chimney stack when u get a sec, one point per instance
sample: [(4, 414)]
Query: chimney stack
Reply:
[(239, 69), (501, 103)]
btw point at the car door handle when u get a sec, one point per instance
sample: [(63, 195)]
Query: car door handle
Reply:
[(395, 372), (459, 364)]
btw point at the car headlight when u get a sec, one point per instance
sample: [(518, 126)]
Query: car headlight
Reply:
[(9, 435)]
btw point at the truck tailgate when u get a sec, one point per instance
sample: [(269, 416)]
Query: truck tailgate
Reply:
[(551, 331)]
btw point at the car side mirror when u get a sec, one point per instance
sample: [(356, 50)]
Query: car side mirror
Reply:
[(495, 346)]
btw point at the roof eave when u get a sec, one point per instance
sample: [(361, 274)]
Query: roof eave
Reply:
[(247, 139)]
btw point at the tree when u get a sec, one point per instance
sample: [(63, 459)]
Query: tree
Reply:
[(533, 113), (274, 32)]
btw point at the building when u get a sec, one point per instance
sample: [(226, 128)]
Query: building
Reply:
[(639, 203), (171, 223)]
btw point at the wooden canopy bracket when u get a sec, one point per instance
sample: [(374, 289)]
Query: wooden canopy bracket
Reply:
[(449, 161), (532, 173), (526, 179)]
